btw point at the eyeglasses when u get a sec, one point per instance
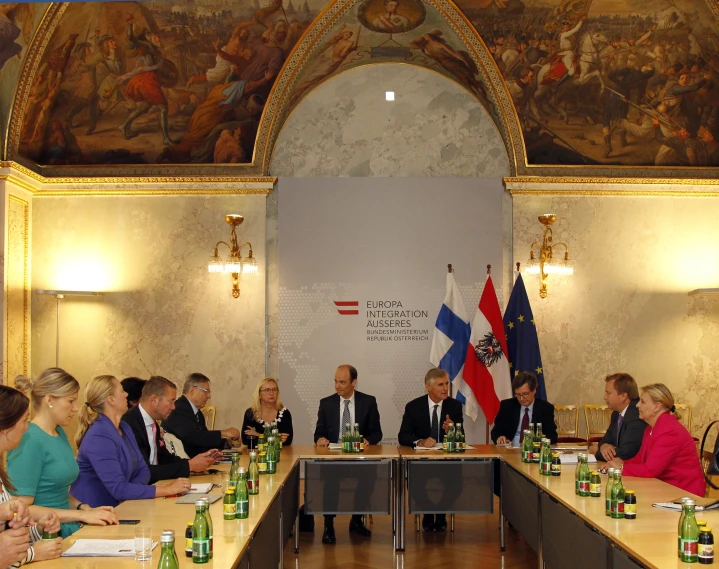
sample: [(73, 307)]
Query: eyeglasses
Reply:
[(522, 395), (202, 389), (270, 390)]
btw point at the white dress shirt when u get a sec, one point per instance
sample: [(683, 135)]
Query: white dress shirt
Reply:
[(515, 440), (342, 411), (431, 413), (149, 421)]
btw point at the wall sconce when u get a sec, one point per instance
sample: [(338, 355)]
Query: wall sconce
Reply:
[(545, 263), (235, 262)]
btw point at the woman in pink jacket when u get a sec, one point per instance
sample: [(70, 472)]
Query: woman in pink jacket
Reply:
[(668, 451)]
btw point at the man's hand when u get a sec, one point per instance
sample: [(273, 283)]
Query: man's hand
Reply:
[(503, 441), (427, 443), (609, 452), (445, 425), (593, 448), (202, 461), (230, 433), (614, 463), (322, 442)]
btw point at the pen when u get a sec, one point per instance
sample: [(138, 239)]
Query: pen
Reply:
[(125, 550)]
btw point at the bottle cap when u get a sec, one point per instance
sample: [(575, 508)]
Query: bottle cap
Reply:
[(190, 524), (230, 492), (701, 522), (199, 502), (241, 470), (706, 529), (629, 491), (253, 453), (167, 536), (689, 502)]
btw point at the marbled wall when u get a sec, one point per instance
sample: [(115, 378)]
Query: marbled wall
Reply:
[(17, 285), (627, 308), (434, 128), (162, 312)]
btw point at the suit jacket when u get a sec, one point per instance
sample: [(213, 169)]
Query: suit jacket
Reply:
[(507, 420), (630, 435), (168, 465), (112, 469), (191, 429), (668, 452), (416, 424), (366, 414)]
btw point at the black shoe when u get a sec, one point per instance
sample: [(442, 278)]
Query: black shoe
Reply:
[(440, 522), (356, 526), (428, 522), (328, 536)]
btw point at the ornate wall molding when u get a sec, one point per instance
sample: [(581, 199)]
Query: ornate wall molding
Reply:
[(627, 187), (17, 286)]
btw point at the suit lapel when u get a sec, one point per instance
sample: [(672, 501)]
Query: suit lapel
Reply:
[(425, 416), (359, 409), (335, 418), (143, 441)]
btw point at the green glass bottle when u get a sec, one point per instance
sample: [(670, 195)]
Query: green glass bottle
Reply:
[(261, 443), (527, 446), (451, 438), (347, 439), (608, 493), (459, 436), (242, 499), (545, 459), (537, 440), (168, 557), (49, 535), (253, 476), (208, 517), (356, 439), (595, 485), (690, 534), (584, 478), (235, 465), (679, 527), (271, 456), (618, 495), (228, 504), (580, 458), (278, 441), (200, 535), (262, 462)]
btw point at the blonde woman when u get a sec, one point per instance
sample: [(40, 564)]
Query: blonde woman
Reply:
[(19, 537), (112, 468), (668, 451), (44, 465), (266, 408)]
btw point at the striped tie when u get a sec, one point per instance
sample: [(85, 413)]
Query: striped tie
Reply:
[(346, 419)]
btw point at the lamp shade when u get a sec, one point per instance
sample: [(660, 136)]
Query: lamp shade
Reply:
[(249, 266)]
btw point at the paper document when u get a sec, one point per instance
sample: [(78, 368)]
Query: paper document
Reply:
[(102, 548), (200, 488), (567, 458), (438, 446), (335, 446), (701, 505)]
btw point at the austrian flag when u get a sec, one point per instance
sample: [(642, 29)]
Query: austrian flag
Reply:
[(486, 368)]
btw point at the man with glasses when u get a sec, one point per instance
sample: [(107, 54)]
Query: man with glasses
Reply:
[(516, 414), (187, 422)]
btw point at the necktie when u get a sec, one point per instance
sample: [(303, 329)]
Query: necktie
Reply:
[(525, 424), (346, 419), (620, 420), (154, 441), (435, 424)]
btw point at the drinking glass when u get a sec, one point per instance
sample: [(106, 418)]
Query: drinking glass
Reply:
[(143, 543), (251, 442)]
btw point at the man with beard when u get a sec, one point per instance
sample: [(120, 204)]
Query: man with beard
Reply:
[(144, 86)]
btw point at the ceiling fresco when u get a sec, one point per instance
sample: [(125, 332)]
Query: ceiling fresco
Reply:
[(576, 83)]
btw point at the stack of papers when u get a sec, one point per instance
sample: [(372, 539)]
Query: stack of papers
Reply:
[(102, 548), (438, 446), (567, 458)]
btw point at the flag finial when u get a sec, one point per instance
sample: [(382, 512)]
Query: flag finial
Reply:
[(489, 269), (518, 266), (449, 268)]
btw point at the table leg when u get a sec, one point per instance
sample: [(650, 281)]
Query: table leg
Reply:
[(502, 545), (296, 533), (399, 488)]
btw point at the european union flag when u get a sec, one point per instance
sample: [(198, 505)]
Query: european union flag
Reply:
[(522, 341)]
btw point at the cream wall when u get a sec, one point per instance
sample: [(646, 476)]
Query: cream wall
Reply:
[(162, 313), (626, 308)]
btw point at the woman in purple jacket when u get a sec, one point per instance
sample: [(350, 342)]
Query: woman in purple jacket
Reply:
[(112, 468)]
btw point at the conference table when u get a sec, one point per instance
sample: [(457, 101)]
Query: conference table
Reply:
[(566, 531)]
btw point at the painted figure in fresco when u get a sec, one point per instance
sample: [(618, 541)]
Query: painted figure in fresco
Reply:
[(391, 21), (458, 63), (228, 148), (14, 19), (334, 53), (522, 92), (144, 86), (568, 48)]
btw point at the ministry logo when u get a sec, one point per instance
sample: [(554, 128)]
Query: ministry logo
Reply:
[(347, 307)]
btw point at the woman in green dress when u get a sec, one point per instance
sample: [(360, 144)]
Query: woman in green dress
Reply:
[(43, 466)]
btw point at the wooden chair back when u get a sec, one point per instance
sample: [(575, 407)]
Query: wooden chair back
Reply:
[(597, 418), (209, 411), (566, 417), (685, 416)]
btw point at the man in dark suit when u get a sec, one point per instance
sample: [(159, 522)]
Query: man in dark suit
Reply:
[(156, 403), (624, 435), (425, 422), (515, 415), (346, 406), (187, 422)]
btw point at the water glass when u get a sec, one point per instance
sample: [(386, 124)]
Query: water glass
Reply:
[(225, 478), (251, 442), (143, 543)]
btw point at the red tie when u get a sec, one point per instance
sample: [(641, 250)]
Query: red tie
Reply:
[(154, 440), (525, 424)]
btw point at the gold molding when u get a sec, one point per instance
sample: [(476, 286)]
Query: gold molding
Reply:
[(608, 181), (617, 193), (18, 182), (26, 285), (149, 192)]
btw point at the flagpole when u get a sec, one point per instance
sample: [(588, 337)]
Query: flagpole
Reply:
[(486, 422), (450, 270)]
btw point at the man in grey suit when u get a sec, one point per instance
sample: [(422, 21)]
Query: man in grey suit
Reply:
[(624, 435)]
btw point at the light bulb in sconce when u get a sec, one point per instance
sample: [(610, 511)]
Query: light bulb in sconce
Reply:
[(249, 265), (215, 265), (233, 264)]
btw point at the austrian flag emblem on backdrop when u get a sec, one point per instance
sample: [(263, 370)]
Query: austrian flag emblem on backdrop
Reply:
[(347, 307)]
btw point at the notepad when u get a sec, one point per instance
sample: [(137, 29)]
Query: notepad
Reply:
[(192, 498), (200, 488), (338, 446), (701, 504), (568, 458), (438, 446), (102, 548)]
